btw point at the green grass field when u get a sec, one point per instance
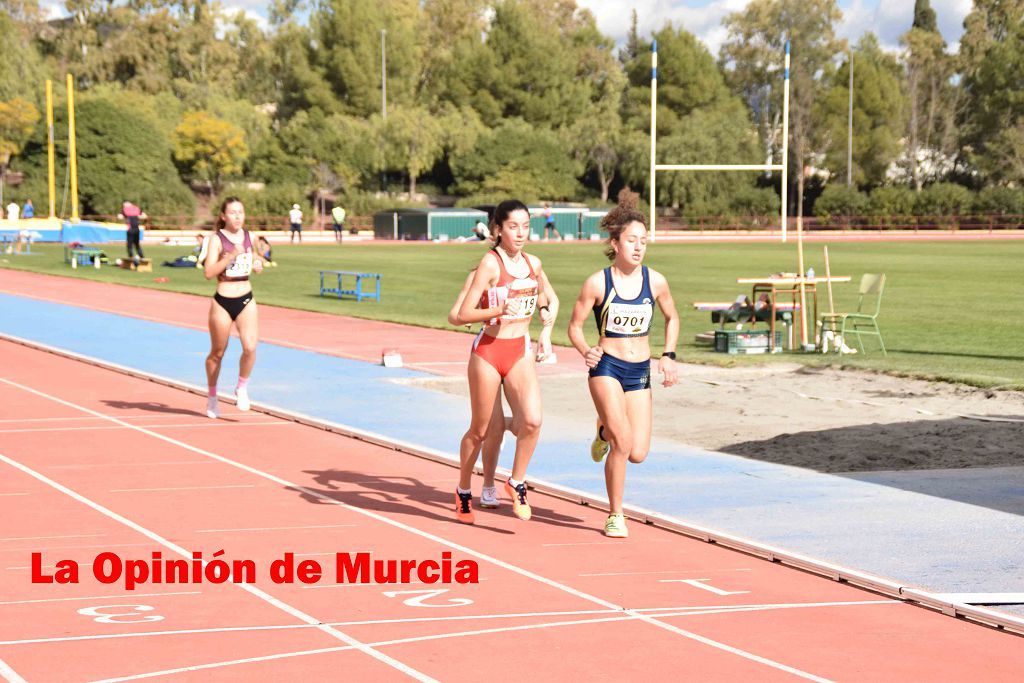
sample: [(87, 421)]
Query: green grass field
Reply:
[(950, 309)]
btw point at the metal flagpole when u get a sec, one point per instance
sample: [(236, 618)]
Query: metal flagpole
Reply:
[(654, 122), (849, 131)]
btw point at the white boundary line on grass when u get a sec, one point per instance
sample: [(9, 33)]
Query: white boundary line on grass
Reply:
[(910, 594), (381, 518)]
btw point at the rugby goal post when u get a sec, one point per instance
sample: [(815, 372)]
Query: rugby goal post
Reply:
[(782, 167)]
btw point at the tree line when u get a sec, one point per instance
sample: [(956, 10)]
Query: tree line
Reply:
[(492, 98)]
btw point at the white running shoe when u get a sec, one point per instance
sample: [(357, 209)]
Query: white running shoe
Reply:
[(212, 409), (489, 498), (242, 398)]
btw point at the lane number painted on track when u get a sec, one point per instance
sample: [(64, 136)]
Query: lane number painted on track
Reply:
[(108, 617), (422, 596), (699, 583)]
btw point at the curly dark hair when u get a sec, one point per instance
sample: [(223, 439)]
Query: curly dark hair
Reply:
[(616, 220)]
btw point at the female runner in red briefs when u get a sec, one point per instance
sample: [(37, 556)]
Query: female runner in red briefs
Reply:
[(622, 298), (231, 259), (491, 447), (503, 296)]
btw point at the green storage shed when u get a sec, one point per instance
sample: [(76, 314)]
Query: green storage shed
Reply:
[(590, 224), (451, 224), (567, 219)]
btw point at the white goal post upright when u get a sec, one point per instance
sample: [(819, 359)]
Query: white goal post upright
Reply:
[(782, 167), (655, 167)]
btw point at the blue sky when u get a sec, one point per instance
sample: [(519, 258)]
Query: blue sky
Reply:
[(888, 19)]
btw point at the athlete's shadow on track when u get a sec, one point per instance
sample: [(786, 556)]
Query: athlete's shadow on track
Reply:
[(386, 494), (151, 407)]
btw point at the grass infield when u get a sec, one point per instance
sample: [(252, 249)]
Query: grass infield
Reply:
[(951, 310)]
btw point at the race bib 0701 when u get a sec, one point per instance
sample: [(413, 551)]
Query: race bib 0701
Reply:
[(629, 318)]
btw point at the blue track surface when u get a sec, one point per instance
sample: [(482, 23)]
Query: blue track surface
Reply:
[(867, 524)]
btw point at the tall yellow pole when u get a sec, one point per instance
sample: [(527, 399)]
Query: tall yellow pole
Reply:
[(72, 152), (49, 148)]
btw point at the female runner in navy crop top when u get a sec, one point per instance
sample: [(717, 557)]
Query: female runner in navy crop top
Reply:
[(622, 298), (231, 259)]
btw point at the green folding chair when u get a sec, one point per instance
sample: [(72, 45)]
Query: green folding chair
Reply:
[(861, 322)]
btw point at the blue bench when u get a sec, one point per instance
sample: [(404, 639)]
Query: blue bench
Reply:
[(355, 291)]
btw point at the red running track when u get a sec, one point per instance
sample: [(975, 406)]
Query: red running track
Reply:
[(437, 351), (96, 461)]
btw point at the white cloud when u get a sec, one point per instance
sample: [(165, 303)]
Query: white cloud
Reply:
[(613, 17), (888, 19)]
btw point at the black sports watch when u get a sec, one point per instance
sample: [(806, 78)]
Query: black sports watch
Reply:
[(669, 354)]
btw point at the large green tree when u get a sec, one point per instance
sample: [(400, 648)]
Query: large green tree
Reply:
[(209, 148), (878, 105), (754, 52), (121, 156), (993, 77), (348, 51), (932, 99)]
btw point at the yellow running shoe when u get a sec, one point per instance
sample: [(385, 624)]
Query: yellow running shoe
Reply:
[(519, 505), (615, 527), (599, 448)]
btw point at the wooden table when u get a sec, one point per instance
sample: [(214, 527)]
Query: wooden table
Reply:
[(773, 287)]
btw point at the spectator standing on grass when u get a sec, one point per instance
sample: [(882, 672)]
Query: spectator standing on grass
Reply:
[(28, 211), (13, 210), (295, 218), (131, 214), (338, 219), (549, 222)]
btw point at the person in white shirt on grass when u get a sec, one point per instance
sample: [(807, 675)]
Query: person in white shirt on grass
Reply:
[(295, 218)]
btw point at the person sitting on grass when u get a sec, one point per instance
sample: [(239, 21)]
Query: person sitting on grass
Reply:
[(264, 250)]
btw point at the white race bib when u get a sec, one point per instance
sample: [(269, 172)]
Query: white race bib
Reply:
[(523, 295), (630, 319), (241, 266)]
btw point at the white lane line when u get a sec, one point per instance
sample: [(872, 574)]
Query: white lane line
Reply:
[(277, 528), (26, 568), (44, 538), (9, 674), (249, 588), (665, 612), (402, 641), (441, 541), (189, 425), (20, 420), (187, 488), (74, 547), (100, 597), (25, 493), (555, 545), (669, 571), (77, 466)]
